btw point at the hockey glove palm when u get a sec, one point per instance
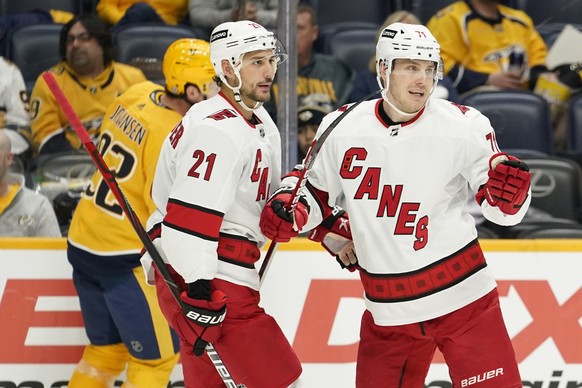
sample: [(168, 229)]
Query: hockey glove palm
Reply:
[(335, 236), (507, 187), (279, 224)]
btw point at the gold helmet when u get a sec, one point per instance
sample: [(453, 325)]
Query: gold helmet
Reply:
[(187, 61)]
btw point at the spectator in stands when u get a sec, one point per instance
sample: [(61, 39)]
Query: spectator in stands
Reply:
[(488, 46), (207, 14), (366, 81), (317, 72), (312, 109), (14, 115), (23, 213), (120, 13), (88, 76)]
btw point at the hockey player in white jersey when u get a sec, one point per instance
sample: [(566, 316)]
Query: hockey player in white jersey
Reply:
[(405, 165), (215, 173)]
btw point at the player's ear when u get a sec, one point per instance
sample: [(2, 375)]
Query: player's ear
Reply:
[(227, 68)]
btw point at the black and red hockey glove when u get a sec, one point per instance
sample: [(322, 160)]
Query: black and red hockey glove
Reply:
[(279, 224), (198, 318), (204, 312), (507, 186)]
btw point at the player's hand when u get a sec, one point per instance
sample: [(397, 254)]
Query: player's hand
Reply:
[(279, 224), (506, 80), (347, 258), (508, 184), (334, 232), (203, 314)]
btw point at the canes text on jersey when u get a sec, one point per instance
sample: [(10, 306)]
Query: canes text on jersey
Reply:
[(407, 221)]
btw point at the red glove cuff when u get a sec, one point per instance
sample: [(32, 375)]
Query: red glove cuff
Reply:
[(507, 187)]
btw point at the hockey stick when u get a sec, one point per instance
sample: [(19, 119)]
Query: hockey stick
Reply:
[(109, 178), (302, 180)]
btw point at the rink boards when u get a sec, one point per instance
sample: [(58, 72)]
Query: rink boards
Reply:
[(317, 304)]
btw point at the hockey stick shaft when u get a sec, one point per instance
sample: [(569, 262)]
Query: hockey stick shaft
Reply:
[(109, 178), (302, 179)]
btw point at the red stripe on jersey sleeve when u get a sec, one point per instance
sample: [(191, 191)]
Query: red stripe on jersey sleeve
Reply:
[(199, 221)]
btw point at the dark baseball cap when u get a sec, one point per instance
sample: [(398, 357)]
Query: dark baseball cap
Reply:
[(312, 109)]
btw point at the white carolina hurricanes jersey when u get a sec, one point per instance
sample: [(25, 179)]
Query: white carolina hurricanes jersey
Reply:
[(215, 172), (406, 191)]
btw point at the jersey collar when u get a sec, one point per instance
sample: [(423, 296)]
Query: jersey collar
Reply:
[(255, 120), (387, 121)]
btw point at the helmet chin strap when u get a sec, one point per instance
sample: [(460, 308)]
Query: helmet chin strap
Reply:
[(236, 91), (405, 114)]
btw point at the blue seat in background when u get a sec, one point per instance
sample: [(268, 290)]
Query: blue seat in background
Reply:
[(575, 124), (521, 119), (328, 31), (354, 48), (148, 40), (17, 6), (371, 11), (556, 186), (35, 49)]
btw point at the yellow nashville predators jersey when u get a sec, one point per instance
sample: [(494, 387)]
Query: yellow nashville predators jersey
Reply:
[(470, 41), (132, 133), (90, 97)]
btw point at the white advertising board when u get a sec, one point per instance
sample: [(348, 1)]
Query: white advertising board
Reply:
[(317, 304)]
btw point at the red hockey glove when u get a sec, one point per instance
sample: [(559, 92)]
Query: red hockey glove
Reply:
[(203, 315), (277, 223), (507, 186), (334, 232), (198, 318)]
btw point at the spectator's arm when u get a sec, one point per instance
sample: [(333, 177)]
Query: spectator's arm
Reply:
[(534, 73), (537, 54), (205, 13), (47, 225), (110, 11), (46, 123), (464, 79), (16, 99)]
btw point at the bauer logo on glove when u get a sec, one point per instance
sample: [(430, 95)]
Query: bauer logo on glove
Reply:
[(205, 317)]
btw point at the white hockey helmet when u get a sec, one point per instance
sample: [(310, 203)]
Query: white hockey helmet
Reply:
[(231, 40), (407, 41)]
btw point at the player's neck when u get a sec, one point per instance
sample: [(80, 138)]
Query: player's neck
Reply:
[(395, 115), (229, 94), (303, 59), (89, 71), (176, 104), (486, 8)]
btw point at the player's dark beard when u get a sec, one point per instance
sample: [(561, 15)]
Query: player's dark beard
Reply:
[(256, 97)]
